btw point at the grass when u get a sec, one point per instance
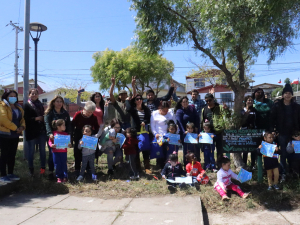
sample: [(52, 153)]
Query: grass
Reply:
[(118, 186)]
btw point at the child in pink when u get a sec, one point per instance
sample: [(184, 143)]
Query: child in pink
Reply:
[(224, 176)]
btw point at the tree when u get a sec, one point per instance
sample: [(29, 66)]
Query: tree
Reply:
[(225, 32), (70, 90), (278, 91), (151, 71)]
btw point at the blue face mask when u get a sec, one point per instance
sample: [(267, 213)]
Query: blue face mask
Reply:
[(12, 100)]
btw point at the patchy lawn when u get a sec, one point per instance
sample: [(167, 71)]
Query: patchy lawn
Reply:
[(119, 186)]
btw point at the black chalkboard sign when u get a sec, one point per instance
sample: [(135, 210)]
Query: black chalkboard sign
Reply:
[(241, 140)]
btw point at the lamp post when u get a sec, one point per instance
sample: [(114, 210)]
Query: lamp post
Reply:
[(38, 28)]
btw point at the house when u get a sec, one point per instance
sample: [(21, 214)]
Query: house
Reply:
[(267, 87), (222, 92)]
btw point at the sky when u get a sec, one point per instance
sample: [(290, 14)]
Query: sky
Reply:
[(77, 29)]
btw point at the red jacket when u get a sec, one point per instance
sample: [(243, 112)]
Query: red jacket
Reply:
[(51, 142), (196, 168), (130, 146)]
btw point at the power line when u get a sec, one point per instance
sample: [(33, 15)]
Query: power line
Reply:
[(7, 55)]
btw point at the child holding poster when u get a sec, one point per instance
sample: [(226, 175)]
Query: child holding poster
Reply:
[(271, 163), (88, 155), (131, 149), (293, 148), (59, 154), (194, 169), (224, 176), (208, 149), (192, 144), (168, 144)]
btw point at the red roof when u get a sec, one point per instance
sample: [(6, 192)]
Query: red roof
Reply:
[(218, 88)]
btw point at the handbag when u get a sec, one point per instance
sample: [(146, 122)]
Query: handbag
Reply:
[(144, 139), (157, 151)]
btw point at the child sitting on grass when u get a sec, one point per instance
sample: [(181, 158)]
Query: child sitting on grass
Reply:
[(131, 149), (171, 170), (194, 169), (271, 163), (224, 176), (59, 154), (88, 155)]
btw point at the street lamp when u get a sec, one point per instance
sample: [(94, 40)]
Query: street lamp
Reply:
[(38, 28)]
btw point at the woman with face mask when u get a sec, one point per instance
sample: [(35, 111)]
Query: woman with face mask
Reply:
[(12, 124)]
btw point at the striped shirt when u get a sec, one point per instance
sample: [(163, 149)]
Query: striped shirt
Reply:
[(141, 115)]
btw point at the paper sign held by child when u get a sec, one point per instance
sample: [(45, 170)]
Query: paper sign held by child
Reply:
[(174, 139), (244, 176), (206, 138), (89, 142), (180, 180), (267, 149), (62, 141), (121, 139), (191, 138), (296, 146)]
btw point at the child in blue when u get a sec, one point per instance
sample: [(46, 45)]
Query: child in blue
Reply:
[(172, 129), (191, 147), (293, 157), (208, 150)]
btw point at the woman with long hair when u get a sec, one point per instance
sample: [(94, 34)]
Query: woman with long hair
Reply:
[(12, 124), (36, 130), (55, 111)]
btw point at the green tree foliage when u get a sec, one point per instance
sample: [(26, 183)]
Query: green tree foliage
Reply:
[(233, 32), (70, 91), (151, 70)]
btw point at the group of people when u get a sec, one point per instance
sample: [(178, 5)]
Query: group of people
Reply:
[(147, 125)]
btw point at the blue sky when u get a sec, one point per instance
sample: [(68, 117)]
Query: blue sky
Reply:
[(94, 26)]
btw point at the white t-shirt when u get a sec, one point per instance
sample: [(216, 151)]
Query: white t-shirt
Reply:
[(159, 123)]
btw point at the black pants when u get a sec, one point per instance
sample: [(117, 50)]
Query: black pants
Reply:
[(50, 158), (253, 158), (218, 140), (8, 147), (77, 155)]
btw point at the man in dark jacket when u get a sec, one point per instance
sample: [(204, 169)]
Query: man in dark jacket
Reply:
[(285, 120)]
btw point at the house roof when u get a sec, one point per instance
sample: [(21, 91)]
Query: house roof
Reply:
[(212, 72), (218, 88), (267, 84)]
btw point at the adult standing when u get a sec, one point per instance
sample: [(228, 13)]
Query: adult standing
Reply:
[(153, 102), (159, 126), (196, 102), (80, 119), (285, 121), (215, 114), (55, 111), (186, 113), (12, 124), (249, 122), (121, 112), (140, 117), (36, 129)]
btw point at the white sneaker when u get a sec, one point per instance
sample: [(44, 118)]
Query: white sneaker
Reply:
[(137, 177), (80, 178)]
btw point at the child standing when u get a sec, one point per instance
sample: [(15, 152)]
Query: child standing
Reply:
[(171, 170), (271, 164), (172, 129), (131, 148), (224, 176), (59, 155), (88, 155), (191, 147), (194, 169), (208, 150)]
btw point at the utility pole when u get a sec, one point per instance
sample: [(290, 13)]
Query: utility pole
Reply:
[(18, 29)]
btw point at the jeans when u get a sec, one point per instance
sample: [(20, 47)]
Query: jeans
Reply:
[(88, 159), (111, 152), (60, 162), (209, 159), (283, 141), (8, 148), (132, 164), (41, 141)]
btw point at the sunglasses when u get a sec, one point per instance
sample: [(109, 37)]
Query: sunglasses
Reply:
[(138, 99), (117, 127)]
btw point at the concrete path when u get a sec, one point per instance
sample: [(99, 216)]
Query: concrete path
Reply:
[(66, 209)]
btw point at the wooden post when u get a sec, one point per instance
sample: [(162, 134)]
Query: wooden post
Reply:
[(259, 169)]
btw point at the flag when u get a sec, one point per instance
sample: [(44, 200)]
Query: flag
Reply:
[(279, 82), (296, 81)]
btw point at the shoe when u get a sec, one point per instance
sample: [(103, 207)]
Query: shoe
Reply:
[(5, 180), (197, 186), (172, 189), (80, 178), (137, 177), (276, 187), (94, 177), (254, 168), (246, 195), (225, 198), (58, 180), (269, 188), (148, 171), (132, 177), (42, 171), (183, 186), (2, 183), (215, 170), (110, 172), (65, 180), (13, 177)]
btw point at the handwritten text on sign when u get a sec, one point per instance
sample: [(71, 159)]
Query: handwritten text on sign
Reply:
[(242, 140)]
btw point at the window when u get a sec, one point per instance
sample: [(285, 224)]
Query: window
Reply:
[(226, 97), (44, 101), (199, 82)]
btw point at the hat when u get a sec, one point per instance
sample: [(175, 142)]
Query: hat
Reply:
[(287, 88), (122, 92)]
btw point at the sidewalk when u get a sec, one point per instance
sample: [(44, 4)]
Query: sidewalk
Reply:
[(66, 209)]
